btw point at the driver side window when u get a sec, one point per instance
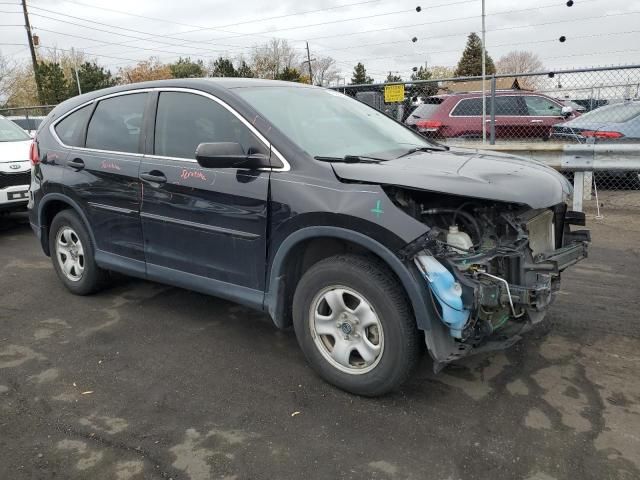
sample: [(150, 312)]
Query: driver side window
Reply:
[(542, 107), (184, 120)]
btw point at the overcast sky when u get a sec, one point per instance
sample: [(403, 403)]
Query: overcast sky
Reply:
[(376, 32)]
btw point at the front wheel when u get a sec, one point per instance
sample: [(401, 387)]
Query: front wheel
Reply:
[(355, 326)]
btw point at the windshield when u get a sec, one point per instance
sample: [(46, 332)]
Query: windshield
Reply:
[(10, 132), (618, 113), (326, 123)]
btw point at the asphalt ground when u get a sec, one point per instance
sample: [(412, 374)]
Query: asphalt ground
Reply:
[(147, 381)]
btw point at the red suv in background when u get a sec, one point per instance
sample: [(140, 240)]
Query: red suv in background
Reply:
[(518, 115)]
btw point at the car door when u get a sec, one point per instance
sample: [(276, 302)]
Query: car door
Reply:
[(510, 117), (102, 173), (204, 228), (542, 114)]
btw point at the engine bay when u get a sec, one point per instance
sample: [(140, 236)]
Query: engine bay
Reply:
[(492, 268)]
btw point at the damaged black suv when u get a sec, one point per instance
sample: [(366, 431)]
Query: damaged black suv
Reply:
[(308, 205)]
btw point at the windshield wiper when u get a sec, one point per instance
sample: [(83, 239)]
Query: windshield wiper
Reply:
[(351, 159), (411, 151)]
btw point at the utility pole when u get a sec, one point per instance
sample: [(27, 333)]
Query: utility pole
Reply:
[(34, 59), (309, 63), (484, 73), (75, 68)]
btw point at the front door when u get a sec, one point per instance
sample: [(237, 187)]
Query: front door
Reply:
[(101, 171), (204, 228), (543, 114)]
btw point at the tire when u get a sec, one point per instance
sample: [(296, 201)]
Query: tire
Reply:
[(70, 245), (382, 328)]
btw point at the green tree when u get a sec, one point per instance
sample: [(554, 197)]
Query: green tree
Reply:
[(393, 78), (55, 87), (421, 74), (92, 77), (223, 67), (244, 70), (470, 63), (360, 75), (289, 74), (186, 68)]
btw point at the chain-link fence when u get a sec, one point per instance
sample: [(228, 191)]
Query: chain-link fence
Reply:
[(28, 118), (537, 113)]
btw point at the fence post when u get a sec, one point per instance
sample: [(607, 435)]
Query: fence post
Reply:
[(492, 138), (578, 190)]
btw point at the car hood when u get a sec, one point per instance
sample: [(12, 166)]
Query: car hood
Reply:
[(14, 151), (468, 173)]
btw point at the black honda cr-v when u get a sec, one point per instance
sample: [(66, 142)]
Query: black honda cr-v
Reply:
[(304, 203)]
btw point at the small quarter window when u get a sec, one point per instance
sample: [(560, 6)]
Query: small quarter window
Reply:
[(71, 129), (468, 107), (116, 123)]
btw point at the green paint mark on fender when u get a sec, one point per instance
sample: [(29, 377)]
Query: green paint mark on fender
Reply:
[(377, 210)]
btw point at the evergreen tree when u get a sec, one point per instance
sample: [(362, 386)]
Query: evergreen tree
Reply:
[(393, 78), (421, 74), (92, 77), (360, 75), (223, 67), (55, 87), (470, 63), (289, 74), (424, 89), (186, 68), (244, 70)]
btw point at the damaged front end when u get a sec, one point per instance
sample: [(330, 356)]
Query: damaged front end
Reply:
[(491, 268)]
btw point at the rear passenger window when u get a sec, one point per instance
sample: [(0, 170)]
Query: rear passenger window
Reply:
[(69, 129), (468, 107), (184, 120), (508, 105), (116, 123)]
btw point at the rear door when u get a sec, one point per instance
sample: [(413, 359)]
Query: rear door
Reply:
[(102, 173), (204, 228), (511, 117)]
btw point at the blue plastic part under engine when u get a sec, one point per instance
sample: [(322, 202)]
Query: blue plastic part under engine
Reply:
[(447, 292)]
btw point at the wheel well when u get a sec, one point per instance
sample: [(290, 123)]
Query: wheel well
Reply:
[(303, 256), (49, 211)]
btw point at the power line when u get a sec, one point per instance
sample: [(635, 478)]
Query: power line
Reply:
[(200, 28), (435, 22), (329, 22), (457, 34), (109, 25), (510, 44)]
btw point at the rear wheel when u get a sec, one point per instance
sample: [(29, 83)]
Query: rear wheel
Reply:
[(72, 254), (354, 325)]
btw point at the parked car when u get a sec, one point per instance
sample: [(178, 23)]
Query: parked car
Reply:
[(576, 107), (15, 169), (363, 235), (618, 122), (28, 124), (613, 123), (518, 114)]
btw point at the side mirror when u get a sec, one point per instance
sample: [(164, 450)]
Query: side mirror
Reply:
[(229, 155), (567, 111)]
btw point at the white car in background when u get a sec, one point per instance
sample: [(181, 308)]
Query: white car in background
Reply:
[(15, 167), (28, 124)]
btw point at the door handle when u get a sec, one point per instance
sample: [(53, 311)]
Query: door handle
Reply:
[(537, 121), (154, 176), (76, 163)]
